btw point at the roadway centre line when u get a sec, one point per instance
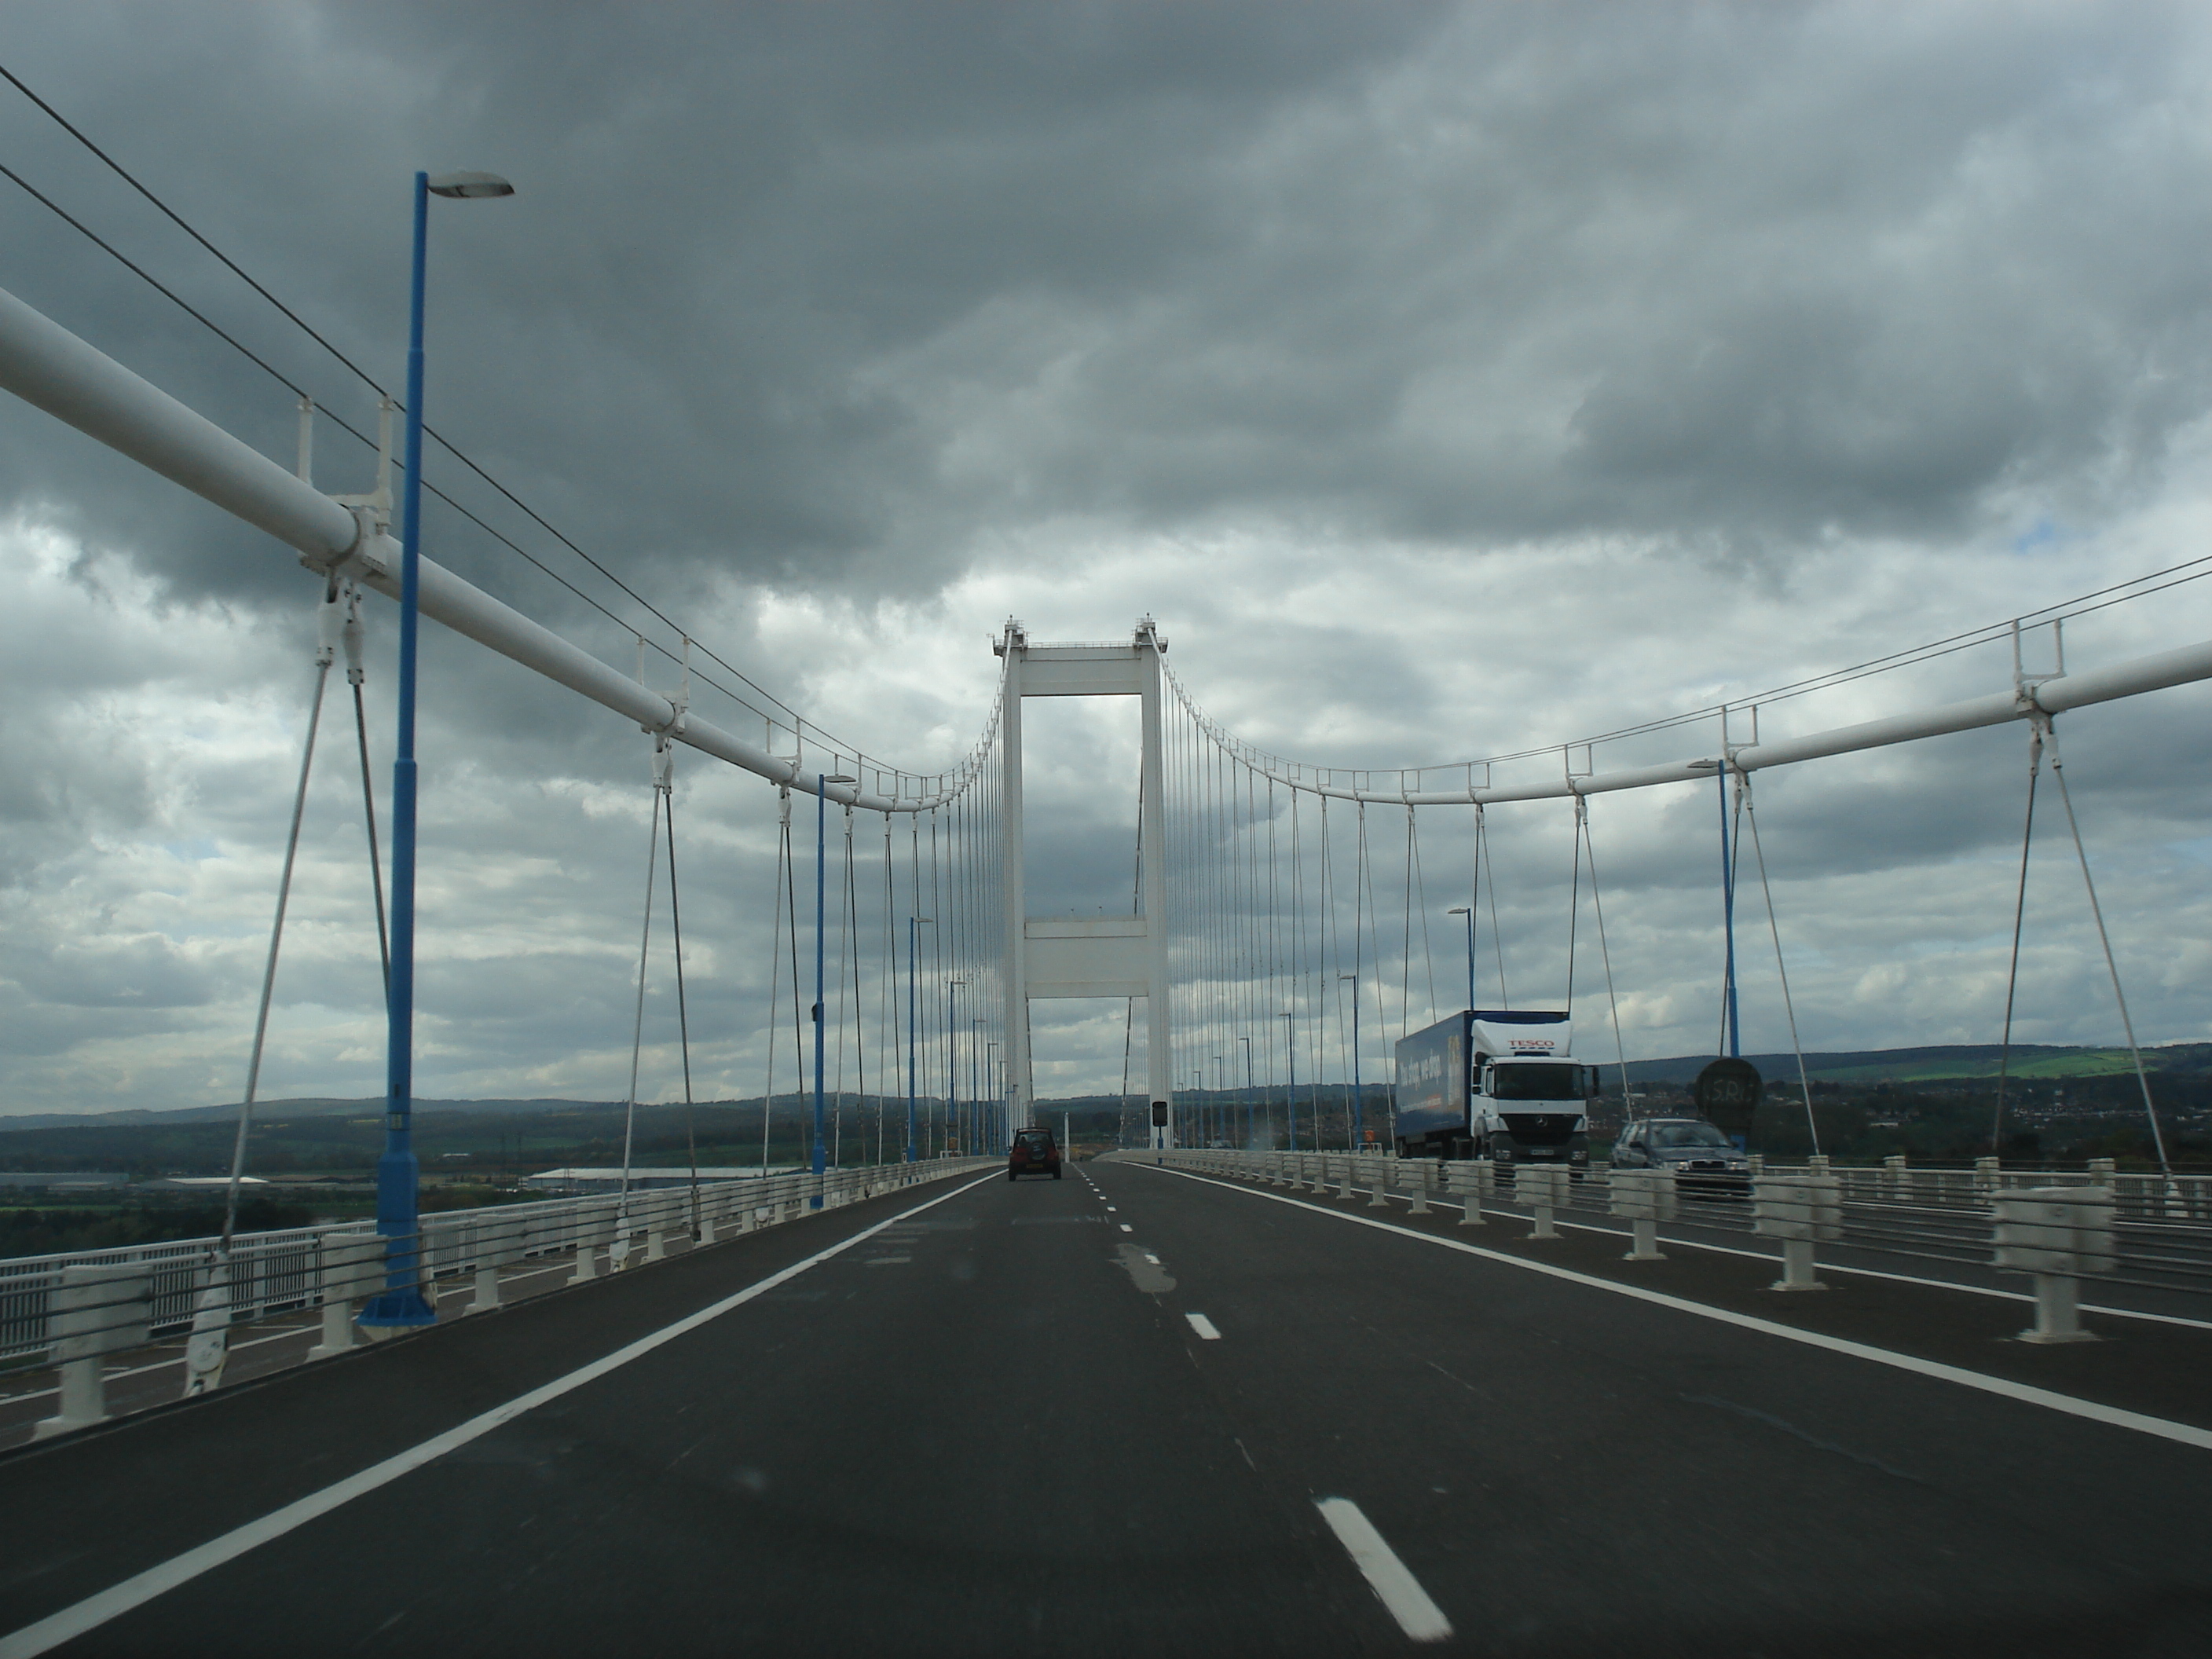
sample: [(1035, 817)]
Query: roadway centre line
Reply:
[(2164, 1428), (1385, 1575), (136, 1590), (1862, 1272), (1204, 1327)]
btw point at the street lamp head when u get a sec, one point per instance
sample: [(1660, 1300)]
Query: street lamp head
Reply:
[(1347, 976), (1457, 910), (465, 186)]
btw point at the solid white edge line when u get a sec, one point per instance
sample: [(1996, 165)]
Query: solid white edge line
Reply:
[(1204, 1327), (1399, 1591), (2185, 1434), (1860, 1273), (96, 1610)]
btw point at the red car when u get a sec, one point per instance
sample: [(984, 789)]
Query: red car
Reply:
[(1035, 1152)]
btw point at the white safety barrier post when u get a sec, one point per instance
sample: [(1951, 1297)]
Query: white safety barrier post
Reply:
[(498, 1243), (1472, 1180), (353, 1268), (1420, 1185), (1798, 1210), (1543, 1189), (1894, 1177), (595, 1225), (1644, 1198), (2056, 1234), (95, 1310), (1986, 1179), (1378, 1183)]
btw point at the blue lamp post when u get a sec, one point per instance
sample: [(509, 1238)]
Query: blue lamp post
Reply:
[(401, 1302), (1291, 1099), (913, 1000), (822, 781)]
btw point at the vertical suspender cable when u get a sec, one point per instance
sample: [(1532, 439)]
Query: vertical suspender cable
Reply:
[(798, 1019), (1489, 876), (683, 1016), (350, 631), (1421, 903), (1605, 951), (2035, 731), (1782, 968), (326, 616), (776, 962), (207, 1349), (637, 1029), (1574, 902), (2112, 966), (1731, 1038)]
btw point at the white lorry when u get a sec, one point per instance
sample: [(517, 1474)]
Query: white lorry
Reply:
[(1497, 1083)]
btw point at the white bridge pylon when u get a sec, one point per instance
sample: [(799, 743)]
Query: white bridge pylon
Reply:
[(1050, 957)]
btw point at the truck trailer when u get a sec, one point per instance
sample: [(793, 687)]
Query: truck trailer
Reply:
[(1498, 1084)]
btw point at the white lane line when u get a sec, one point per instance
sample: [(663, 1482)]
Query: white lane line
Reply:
[(1385, 1575), (1150, 1257), (2187, 1434), (1862, 1272), (1127, 1228), (1204, 1327), (96, 1610)]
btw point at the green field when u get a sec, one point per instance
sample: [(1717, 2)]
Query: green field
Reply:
[(2085, 1062)]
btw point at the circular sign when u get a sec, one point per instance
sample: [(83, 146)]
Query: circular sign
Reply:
[(1726, 1092)]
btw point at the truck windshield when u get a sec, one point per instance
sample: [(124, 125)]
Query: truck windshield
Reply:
[(1541, 1080)]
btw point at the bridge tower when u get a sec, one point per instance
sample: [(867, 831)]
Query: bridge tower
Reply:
[(1105, 956)]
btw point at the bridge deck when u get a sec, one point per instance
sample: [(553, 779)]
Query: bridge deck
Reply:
[(994, 1427)]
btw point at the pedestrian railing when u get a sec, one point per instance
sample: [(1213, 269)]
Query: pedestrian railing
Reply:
[(74, 1308)]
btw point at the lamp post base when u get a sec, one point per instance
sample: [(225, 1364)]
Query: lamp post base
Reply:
[(397, 1308)]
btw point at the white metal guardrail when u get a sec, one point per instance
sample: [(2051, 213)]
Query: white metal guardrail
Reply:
[(74, 1308), (2148, 1231)]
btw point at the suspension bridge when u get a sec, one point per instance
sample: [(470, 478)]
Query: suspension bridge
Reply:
[(1257, 1381)]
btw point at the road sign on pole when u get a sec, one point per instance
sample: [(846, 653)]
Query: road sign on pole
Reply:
[(1726, 1092)]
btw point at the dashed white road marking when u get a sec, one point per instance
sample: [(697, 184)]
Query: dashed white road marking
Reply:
[(1385, 1575), (1204, 1327), (1127, 1228), (1150, 1257)]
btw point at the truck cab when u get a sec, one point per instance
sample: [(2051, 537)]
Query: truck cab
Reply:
[(1530, 1109)]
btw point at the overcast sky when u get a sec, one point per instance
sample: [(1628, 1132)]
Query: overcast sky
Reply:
[(1448, 380)]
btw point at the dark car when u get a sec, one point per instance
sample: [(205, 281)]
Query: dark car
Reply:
[(1696, 1151), (1036, 1152)]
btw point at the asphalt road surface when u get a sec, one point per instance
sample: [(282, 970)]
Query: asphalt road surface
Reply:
[(1125, 1413)]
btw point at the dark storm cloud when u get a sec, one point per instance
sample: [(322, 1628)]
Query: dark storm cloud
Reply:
[(810, 316), (833, 294)]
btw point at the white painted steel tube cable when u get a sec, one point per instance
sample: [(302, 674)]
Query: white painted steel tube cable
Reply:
[(50, 368)]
